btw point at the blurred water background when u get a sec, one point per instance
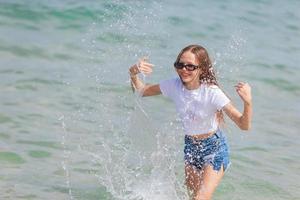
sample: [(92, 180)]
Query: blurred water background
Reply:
[(71, 128)]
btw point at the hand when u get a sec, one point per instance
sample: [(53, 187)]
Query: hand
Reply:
[(244, 91), (143, 66)]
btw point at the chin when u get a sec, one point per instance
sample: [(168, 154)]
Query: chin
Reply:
[(185, 79)]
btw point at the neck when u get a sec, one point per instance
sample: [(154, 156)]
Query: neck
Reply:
[(192, 85)]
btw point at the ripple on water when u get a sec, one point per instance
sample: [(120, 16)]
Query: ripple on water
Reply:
[(34, 83), (5, 119), (282, 84), (11, 71), (258, 149), (4, 136), (48, 144), (242, 159), (179, 21), (21, 12), (264, 188), (111, 37), (40, 81), (292, 27), (32, 51), (11, 158), (39, 154), (26, 87), (29, 196), (93, 193)]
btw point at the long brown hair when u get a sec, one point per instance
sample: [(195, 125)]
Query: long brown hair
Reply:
[(208, 75)]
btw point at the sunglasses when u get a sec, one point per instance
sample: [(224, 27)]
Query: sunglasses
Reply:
[(188, 67)]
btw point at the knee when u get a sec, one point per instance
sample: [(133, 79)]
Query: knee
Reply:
[(203, 195)]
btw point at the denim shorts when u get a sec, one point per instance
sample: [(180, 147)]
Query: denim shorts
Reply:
[(212, 151)]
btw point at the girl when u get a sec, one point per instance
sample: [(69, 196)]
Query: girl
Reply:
[(200, 104)]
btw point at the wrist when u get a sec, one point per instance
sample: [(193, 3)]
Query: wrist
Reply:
[(134, 70), (132, 76), (248, 103)]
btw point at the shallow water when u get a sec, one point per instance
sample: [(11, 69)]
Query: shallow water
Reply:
[(70, 127)]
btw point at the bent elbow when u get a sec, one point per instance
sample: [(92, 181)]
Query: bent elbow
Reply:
[(144, 94), (245, 127)]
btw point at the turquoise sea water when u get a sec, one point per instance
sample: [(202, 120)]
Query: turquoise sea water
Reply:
[(71, 128)]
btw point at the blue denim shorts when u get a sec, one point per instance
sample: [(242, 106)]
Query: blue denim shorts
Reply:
[(212, 151)]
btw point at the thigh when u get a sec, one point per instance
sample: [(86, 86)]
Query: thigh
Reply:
[(193, 178), (210, 179)]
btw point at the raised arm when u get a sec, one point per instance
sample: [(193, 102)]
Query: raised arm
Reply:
[(242, 120), (137, 84)]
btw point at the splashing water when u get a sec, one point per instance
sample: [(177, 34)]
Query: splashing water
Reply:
[(66, 156), (231, 58), (133, 159)]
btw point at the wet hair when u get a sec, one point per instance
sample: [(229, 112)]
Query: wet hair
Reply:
[(208, 74)]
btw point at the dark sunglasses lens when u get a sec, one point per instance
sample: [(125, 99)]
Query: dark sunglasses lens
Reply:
[(190, 67), (179, 65)]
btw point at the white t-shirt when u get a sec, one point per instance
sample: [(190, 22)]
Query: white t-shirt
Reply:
[(196, 108)]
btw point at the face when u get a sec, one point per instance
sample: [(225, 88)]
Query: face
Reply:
[(189, 77)]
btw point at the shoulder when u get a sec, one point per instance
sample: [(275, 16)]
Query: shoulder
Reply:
[(175, 79), (171, 81), (214, 90), (169, 87), (211, 88)]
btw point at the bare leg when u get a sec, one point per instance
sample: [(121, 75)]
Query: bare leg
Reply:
[(193, 178), (202, 184)]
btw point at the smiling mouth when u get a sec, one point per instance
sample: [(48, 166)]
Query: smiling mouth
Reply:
[(185, 75)]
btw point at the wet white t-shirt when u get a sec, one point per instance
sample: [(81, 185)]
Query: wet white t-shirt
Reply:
[(196, 108)]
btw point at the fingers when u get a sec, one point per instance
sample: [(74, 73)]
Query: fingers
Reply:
[(145, 69), (244, 91), (145, 59), (144, 63), (242, 88), (241, 85), (144, 66)]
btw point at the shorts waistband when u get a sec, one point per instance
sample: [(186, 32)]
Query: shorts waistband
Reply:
[(216, 134)]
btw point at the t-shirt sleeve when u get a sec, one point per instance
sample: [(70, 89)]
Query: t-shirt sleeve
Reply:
[(219, 98), (167, 87)]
